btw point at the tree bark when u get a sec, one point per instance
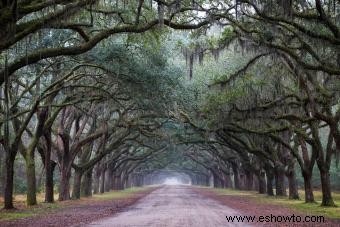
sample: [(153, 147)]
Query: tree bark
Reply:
[(49, 166), (327, 199), (217, 182), (8, 191), (227, 181), (292, 185), (262, 182), (108, 179), (64, 191), (96, 180), (86, 184), (125, 180), (30, 176), (280, 180), (118, 183), (2, 170), (49, 183), (102, 180), (236, 176), (270, 178), (307, 171), (307, 179), (76, 184), (249, 180), (139, 182)]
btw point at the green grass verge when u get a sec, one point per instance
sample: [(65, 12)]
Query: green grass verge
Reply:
[(298, 205), (43, 208), (118, 194), (28, 211)]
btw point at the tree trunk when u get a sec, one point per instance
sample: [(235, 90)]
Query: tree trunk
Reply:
[(125, 178), (309, 195), (270, 178), (307, 171), (207, 181), (280, 181), (236, 176), (86, 184), (262, 182), (76, 184), (227, 181), (102, 180), (31, 181), (134, 180), (249, 180), (49, 184), (114, 186), (117, 183), (217, 183), (193, 180), (139, 180), (327, 199), (49, 166), (292, 184), (2, 170), (96, 180), (108, 179), (8, 191), (64, 191)]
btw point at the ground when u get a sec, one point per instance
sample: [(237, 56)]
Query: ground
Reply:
[(266, 202), (172, 206), (252, 203), (168, 206), (69, 213)]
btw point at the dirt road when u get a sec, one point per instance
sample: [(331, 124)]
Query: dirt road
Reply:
[(172, 206)]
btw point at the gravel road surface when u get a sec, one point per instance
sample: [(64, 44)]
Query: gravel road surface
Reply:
[(172, 206)]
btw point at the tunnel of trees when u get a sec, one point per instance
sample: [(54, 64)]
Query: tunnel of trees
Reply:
[(100, 95)]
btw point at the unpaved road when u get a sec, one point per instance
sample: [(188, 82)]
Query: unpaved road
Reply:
[(172, 206)]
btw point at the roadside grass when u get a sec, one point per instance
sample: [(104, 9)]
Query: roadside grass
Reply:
[(23, 211), (117, 194), (297, 205)]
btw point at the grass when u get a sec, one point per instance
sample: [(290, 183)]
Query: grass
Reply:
[(297, 205), (23, 211), (118, 194)]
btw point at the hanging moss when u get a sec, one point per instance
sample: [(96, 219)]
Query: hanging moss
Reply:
[(161, 14), (191, 65), (178, 5)]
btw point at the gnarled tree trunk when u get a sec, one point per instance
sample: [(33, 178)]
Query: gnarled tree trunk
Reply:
[(270, 178), (96, 182), (280, 180), (64, 191), (9, 180), (86, 184), (292, 184), (49, 166), (236, 176), (102, 180), (262, 182), (307, 179), (76, 184), (31, 181), (327, 199), (249, 180)]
